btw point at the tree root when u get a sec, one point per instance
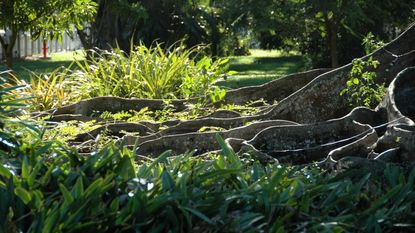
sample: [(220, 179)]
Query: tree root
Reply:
[(272, 91), (223, 114), (327, 131), (72, 117), (200, 142), (319, 100), (116, 104), (299, 144), (115, 129)]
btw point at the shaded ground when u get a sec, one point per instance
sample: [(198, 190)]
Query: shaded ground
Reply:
[(23, 66)]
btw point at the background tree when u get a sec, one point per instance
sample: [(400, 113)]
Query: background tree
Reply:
[(42, 18), (335, 29), (166, 21), (115, 21)]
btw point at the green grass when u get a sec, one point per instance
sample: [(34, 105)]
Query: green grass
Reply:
[(22, 67), (262, 66)]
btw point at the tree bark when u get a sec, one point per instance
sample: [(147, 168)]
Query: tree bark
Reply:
[(331, 27), (8, 48)]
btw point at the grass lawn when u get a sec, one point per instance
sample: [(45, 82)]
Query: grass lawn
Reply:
[(262, 66), (22, 67)]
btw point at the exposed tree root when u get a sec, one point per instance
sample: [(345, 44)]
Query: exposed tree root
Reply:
[(273, 91), (223, 114), (399, 102), (115, 129), (201, 142), (319, 100), (116, 104), (327, 132), (301, 144), (72, 117)]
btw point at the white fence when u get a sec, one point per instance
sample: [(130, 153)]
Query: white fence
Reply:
[(26, 47)]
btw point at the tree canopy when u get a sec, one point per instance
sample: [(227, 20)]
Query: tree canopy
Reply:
[(46, 18), (329, 32)]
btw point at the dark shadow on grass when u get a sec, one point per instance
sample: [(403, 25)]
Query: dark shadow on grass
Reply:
[(23, 68)]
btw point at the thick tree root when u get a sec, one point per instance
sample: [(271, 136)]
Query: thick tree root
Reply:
[(301, 144), (327, 132), (72, 117), (194, 125), (223, 114), (319, 100), (116, 104), (400, 107), (115, 129), (273, 91), (400, 98), (199, 142)]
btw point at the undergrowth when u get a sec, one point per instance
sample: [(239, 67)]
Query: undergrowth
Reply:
[(143, 72), (193, 111), (46, 186)]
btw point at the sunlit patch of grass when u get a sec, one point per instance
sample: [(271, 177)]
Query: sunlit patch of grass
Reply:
[(262, 66)]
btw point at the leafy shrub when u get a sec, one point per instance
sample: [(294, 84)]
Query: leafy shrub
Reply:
[(361, 88), (50, 90), (371, 44), (144, 73), (150, 73)]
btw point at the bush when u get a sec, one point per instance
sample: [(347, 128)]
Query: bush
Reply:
[(150, 73), (49, 90), (361, 89)]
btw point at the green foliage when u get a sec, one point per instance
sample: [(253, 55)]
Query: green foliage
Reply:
[(9, 103), (42, 18), (151, 72), (146, 73), (65, 131), (45, 17), (51, 90), (361, 89), (371, 43), (46, 186)]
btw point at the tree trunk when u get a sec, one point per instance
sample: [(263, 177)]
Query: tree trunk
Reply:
[(8, 48), (214, 35), (333, 48), (9, 57), (86, 39), (3, 51), (331, 27)]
